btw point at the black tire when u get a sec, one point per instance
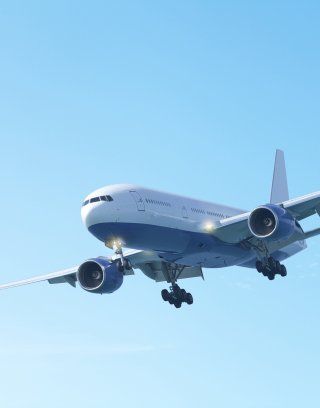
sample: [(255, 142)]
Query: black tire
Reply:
[(120, 266), (189, 299), (177, 303), (271, 262), (171, 300), (283, 271), (183, 295), (259, 266), (165, 295), (271, 276), (278, 267)]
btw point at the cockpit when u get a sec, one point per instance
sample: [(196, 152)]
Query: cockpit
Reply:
[(96, 199)]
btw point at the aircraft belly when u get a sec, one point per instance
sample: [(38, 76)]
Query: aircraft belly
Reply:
[(216, 258), (143, 236), (174, 245)]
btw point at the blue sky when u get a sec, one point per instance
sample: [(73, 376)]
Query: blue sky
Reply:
[(191, 97)]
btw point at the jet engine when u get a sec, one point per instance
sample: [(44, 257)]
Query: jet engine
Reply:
[(99, 275), (272, 222)]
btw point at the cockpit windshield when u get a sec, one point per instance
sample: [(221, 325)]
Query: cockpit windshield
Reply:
[(96, 199)]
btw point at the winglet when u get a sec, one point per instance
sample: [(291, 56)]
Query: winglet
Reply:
[(279, 191)]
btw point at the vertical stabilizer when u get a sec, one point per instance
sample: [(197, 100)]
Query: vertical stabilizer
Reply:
[(279, 191)]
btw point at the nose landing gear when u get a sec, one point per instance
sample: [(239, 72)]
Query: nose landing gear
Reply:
[(124, 266), (271, 268), (123, 263)]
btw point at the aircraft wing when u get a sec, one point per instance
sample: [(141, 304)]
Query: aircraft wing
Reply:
[(63, 276), (235, 229), (147, 261), (303, 207)]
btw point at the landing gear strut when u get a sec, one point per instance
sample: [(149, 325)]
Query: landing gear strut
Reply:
[(175, 295), (123, 263), (270, 268)]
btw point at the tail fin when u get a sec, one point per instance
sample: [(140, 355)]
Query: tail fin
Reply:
[(279, 191)]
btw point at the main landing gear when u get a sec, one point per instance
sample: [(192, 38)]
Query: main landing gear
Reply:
[(176, 296), (270, 268)]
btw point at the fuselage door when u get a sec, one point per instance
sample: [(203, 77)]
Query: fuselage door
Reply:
[(184, 212), (138, 199)]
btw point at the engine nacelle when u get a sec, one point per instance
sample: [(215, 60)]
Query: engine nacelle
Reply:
[(98, 275), (272, 222)]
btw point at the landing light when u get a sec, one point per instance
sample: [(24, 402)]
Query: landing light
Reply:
[(114, 244), (117, 243), (208, 227)]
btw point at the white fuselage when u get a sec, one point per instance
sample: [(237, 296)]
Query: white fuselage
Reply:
[(176, 227)]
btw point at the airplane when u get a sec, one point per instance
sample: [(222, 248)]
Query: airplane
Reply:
[(175, 237)]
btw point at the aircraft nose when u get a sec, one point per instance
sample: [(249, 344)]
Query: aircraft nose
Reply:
[(91, 214)]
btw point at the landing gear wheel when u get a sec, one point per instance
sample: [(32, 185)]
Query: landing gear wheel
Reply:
[(176, 290), (177, 303), (165, 295), (171, 300), (283, 271), (271, 267), (176, 296), (271, 275), (183, 295), (278, 267), (259, 266), (189, 299), (272, 263)]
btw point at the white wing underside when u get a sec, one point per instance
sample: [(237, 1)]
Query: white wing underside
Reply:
[(54, 277)]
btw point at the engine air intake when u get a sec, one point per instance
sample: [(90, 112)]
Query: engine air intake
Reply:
[(90, 275), (262, 222), (273, 222), (99, 275)]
